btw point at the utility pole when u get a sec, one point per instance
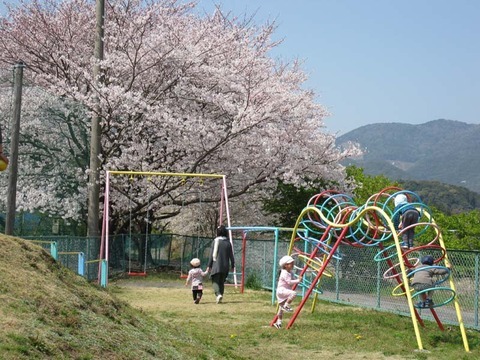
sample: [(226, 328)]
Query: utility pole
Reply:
[(15, 140), (95, 135)]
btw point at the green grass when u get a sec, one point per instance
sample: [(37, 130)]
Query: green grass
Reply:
[(47, 312), (238, 328)]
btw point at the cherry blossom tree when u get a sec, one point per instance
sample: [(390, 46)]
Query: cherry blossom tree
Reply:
[(53, 154), (181, 93)]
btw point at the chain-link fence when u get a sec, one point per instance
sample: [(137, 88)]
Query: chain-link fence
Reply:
[(74, 252), (354, 278), (359, 280)]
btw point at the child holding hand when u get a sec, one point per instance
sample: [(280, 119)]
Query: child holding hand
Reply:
[(195, 276)]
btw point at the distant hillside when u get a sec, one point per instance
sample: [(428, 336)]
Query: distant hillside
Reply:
[(449, 199), (441, 150)]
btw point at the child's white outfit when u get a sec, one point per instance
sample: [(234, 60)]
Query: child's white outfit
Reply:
[(195, 276), (284, 294), (284, 288)]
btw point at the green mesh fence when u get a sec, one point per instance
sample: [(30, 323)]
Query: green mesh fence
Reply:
[(355, 278), (359, 280), (68, 249)]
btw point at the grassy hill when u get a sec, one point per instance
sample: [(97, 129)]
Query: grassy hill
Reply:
[(440, 150), (48, 312)]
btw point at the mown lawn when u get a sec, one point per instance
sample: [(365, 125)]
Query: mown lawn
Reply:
[(239, 327)]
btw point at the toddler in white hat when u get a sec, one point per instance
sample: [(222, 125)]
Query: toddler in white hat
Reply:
[(195, 276), (285, 292)]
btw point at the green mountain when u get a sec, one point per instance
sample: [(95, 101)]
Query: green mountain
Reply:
[(446, 151)]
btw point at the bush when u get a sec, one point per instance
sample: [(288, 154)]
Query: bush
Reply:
[(253, 282)]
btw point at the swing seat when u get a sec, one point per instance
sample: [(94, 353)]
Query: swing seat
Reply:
[(183, 276), (137, 273)]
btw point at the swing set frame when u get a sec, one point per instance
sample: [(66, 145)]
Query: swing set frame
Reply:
[(104, 241)]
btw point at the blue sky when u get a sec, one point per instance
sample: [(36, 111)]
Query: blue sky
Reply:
[(374, 61)]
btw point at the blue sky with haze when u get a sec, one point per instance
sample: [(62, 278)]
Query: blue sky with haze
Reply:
[(373, 61)]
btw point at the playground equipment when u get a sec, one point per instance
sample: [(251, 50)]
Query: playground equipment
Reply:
[(145, 202), (331, 219), (138, 271), (255, 229), (197, 250)]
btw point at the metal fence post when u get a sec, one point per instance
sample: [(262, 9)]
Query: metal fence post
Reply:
[(379, 276), (81, 263), (54, 250), (104, 273), (475, 301), (337, 279), (274, 277)]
